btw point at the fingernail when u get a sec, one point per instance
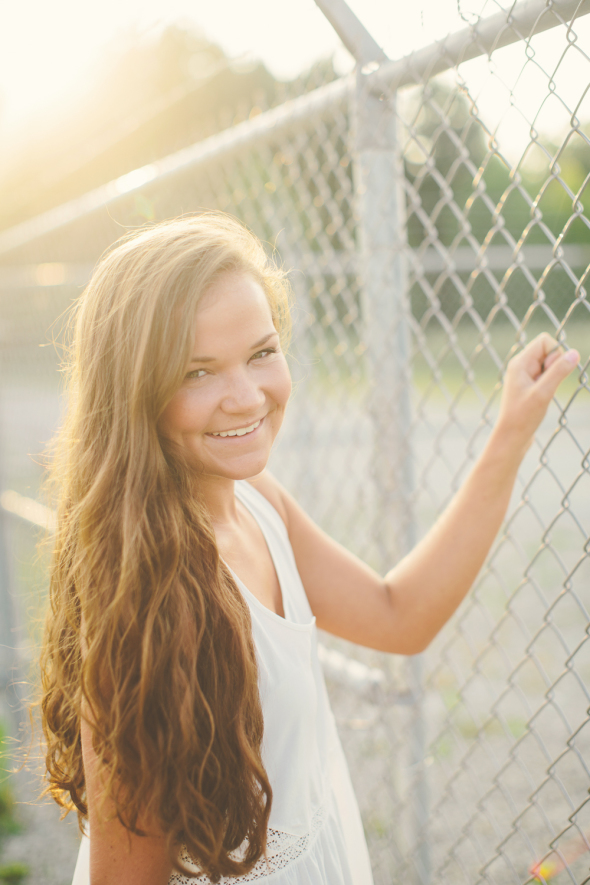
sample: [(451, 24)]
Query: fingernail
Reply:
[(572, 356)]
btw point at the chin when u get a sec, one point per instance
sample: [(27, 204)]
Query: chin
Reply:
[(249, 472), (245, 468)]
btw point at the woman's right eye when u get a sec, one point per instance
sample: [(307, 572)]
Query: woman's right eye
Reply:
[(196, 373)]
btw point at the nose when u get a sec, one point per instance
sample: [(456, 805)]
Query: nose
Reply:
[(242, 394)]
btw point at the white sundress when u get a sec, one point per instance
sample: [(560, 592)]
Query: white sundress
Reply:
[(315, 832)]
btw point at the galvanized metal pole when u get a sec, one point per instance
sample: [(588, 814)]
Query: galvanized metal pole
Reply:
[(359, 42), (386, 313)]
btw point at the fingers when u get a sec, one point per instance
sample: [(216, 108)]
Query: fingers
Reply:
[(542, 353), (557, 367), (531, 381), (539, 354), (553, 355)]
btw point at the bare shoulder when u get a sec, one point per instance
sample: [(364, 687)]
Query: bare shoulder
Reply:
[(347, 597), (273, 491)]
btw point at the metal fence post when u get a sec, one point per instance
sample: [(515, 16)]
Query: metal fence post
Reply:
[(386, 310)]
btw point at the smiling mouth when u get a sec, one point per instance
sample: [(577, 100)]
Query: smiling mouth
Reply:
[(241, 431)]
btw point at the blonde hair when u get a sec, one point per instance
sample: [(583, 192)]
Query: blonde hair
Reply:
[(169, 676)]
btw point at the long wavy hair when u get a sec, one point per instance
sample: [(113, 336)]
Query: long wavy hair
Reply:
[(167, 675)]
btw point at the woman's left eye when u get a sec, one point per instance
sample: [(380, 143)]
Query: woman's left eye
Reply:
[(263, 353)]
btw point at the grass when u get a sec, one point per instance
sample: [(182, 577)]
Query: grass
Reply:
[(13, 873), (435, 366), (482, 368), (8, 823)]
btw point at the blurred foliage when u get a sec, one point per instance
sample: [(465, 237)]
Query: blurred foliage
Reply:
[(462, 192), (13, 873), (156, 98), (8, 824), (453, 164)]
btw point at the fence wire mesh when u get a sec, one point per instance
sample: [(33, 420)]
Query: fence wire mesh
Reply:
[(433, 213)]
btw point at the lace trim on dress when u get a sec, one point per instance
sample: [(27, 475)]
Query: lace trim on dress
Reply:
[(282, 849)]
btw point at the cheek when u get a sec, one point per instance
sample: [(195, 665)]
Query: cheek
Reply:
[(282, 384), (184, 413)]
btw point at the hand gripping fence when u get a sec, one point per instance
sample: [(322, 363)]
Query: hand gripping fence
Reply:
[(433, 210)]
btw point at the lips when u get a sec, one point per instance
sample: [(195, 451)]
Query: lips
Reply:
[(237, 432)]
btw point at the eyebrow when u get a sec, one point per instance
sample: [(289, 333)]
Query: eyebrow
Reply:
[(211, 359)]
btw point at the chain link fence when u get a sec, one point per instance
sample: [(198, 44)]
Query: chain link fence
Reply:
[(432, 211)]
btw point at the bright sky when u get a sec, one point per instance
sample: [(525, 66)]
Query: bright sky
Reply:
[(51, 51)]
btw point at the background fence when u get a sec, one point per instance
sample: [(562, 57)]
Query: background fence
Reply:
[(431, 230)]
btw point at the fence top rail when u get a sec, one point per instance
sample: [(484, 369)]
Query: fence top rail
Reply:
[(521, 22), (270, 124), (498, 30)]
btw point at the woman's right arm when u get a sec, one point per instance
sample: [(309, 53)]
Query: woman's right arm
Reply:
[(116, 855)]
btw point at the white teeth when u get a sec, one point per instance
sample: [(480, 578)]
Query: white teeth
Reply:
[(240, 432)]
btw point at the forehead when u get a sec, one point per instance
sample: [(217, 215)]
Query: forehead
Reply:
[(234, 307)]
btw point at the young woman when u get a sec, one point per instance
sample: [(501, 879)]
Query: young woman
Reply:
[(184, 707)]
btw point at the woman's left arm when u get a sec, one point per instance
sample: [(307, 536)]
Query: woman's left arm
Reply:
[(402, 612)]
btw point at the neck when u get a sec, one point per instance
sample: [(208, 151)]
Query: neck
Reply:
[(218, 496)]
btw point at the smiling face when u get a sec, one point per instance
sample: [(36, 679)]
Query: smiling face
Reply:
[(230, 406)]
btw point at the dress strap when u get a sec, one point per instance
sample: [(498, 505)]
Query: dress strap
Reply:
[(295, 602)]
